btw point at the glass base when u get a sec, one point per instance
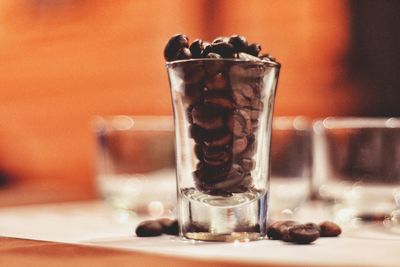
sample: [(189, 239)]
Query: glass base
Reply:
[(241, 217)]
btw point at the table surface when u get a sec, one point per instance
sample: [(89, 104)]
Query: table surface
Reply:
[(84, 233)]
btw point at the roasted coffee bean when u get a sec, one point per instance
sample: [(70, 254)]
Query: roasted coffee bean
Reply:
[(207, 174), (278, 229), (149, 228), (213, 67), (239, 43), (268, 57), (245, 89), (329, 229), (302, 234), (239, 145), (311, 224), (254, 115), (196, 133), (219, 141), (198, 151), (218, 158), (247, 164), (220, 39), (183, 53), (246, 56), (207, 117), (251, 147), (197, 47), (240, 100), (254, 49), (220, 102), (257, 104), (169, 226), (217, 82), (191, 72), (175, 43), (235, 176), (240, 123), (253, 70), (222, 48), (193, 93)]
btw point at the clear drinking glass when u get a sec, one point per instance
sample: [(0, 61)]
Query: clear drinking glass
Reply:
[(357, 167), (291, 165), (223, 116), (135, 164)]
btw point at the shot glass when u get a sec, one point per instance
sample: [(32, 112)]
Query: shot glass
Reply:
[(291, 165), (357, 167), (223, 117), (135, 163)]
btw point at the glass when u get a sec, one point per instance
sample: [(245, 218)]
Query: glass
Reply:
[(223, 117), (135, 163), (290, 166), (357, 167)]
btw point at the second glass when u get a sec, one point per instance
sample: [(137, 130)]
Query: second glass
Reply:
[(223, 117)]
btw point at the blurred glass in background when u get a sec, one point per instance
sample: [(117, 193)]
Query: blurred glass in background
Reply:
[(290, 166), (357, 167), (135, 163)]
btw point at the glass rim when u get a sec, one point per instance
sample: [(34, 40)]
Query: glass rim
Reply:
[(269, 63), (358, 122)]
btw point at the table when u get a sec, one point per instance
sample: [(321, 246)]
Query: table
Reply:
[(90, 233)]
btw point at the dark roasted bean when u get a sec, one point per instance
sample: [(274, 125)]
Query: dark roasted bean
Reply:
[(254, 49), (207, 117), (213, 67), (220, 39), (175, 43), (246, 56), (217, 82), (239, 145), (149, 228), (169, 226), (183, 53), (222, 48), (197, 47), (239, 43), (329, 229), (302, 234), (277, 230)]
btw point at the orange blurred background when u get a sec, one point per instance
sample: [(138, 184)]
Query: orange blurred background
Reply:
[(64, 61)]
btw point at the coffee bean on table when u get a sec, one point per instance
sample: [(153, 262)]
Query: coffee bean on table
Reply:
[(169, 226), (302, 234), (175, 43), (277, 230), (149, 228), (329, 229)]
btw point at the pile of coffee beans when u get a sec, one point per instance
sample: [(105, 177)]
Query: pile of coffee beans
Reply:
[(223, 101), (295, 232), (157, 227)]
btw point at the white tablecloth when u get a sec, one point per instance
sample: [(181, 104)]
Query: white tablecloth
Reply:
[(93, 223)]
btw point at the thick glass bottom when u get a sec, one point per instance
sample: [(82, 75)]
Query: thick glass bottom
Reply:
[(241, 217)]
